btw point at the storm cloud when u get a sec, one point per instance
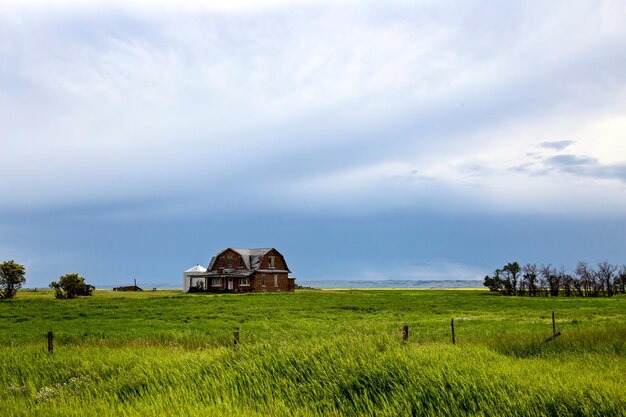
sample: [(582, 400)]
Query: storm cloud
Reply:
[(124, 111)]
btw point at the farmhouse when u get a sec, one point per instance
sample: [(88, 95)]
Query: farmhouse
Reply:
[(241, 270)]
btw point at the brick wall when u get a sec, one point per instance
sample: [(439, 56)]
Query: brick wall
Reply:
[(281, 279)]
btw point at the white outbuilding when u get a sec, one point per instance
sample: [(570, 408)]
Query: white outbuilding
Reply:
[(189, 274)]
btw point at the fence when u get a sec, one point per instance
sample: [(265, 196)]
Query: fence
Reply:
[(404, 335)]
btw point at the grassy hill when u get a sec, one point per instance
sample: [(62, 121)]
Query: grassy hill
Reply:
[(311, 353)]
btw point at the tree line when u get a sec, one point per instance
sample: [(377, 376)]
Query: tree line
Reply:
[(604, 280), (13, 275)]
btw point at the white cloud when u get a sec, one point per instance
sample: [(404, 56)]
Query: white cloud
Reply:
[(159, 5), (350, 106)]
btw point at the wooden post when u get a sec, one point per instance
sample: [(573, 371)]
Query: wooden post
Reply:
[(405, 334), (236, 338), (452, 325), (50, 342), (555, 334)]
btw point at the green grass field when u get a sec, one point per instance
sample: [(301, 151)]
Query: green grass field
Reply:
[(312, 353)]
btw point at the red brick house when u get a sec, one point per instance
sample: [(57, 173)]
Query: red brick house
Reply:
[(241, 270)]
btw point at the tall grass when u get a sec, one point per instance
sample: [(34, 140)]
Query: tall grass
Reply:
[(348, 376), (311, 354)]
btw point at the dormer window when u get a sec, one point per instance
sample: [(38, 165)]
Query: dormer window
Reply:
[(270, 262)]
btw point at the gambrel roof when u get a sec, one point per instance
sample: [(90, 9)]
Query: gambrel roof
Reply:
[(251, 257)]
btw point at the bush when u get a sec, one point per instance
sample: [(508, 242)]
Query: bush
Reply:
[(71, 286), (11, 278)]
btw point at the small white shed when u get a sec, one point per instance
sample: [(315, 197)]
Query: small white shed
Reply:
[(189, 274)]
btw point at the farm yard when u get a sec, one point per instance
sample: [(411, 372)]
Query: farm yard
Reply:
[(312, 353)]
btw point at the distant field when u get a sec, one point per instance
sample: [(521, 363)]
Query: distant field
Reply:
[(311, 353)]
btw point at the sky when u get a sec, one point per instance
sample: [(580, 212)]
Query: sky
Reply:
[(365, 140)]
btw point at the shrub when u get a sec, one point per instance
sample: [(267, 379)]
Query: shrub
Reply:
[(71, 286), (11, 278)]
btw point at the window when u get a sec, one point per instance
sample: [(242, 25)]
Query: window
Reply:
[(263, 280), (216, 282), (270, 262), (276, 280), (244, 281), (229, 263)]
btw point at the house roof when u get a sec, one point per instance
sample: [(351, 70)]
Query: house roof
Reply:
[(252, 252), (196, 268), (251, 257)]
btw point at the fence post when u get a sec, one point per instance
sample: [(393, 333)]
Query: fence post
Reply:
[(405, 333), (50, 342), (452, 326), (555, 334), (236, 338)]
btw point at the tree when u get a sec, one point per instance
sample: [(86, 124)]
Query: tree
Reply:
[(510, 275), (11, 278), (529, 278), (550, 279), (567, 282), (587, 276), (621, 280), (546, 280), (71, 286), (606, 275), (578, 284), (493, 283), (504, 280)]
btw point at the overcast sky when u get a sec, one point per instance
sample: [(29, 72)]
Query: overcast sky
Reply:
[(363, 139)]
